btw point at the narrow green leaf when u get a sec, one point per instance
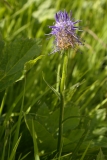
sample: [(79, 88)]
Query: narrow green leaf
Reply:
[(36, 153), (100, 155), (85, 151), (31, 63), (14, 149), (24, 156), (4, 149), (53, 89), (16, 135), (3, 102)]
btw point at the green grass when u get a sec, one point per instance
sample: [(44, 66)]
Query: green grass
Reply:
[(30, 80)]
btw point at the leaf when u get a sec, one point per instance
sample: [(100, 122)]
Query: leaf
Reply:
[(43, 114), (54, 90), (47, 119), (36, 153), (75, 135), (101, 141), (84, 153), (51, 120), (71, 117), (46, 125), (100, 155), (13, 58), (24, 156), (43, 136), (13, 153), (31, 63), (42, 13)]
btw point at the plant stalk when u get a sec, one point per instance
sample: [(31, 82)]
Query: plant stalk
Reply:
[(61, 114)]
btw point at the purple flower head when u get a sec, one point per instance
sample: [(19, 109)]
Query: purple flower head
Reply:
[(64, 32)]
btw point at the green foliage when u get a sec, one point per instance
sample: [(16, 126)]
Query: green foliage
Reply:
[(100, 155), (30, 82), (13, 57)]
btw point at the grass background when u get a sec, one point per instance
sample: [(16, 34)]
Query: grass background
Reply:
[(30, 109)]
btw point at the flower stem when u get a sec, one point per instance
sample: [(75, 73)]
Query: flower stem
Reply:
[(61, 114)]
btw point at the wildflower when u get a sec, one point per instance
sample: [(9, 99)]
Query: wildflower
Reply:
[(64, 32)]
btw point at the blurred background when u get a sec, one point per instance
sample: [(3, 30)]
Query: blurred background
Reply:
[(86, 88)]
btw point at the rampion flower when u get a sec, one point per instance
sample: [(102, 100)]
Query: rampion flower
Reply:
[(64, 32)]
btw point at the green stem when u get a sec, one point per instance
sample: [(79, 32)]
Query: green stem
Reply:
[(64, 72), (58, 78), (61, 114), (3, 101)]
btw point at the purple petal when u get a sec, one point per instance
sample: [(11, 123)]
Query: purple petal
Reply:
[(76, 21)]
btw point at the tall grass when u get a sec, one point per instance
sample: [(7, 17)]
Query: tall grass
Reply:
[(29, 112)]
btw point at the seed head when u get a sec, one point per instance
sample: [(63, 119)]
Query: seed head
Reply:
[(64, 32)]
